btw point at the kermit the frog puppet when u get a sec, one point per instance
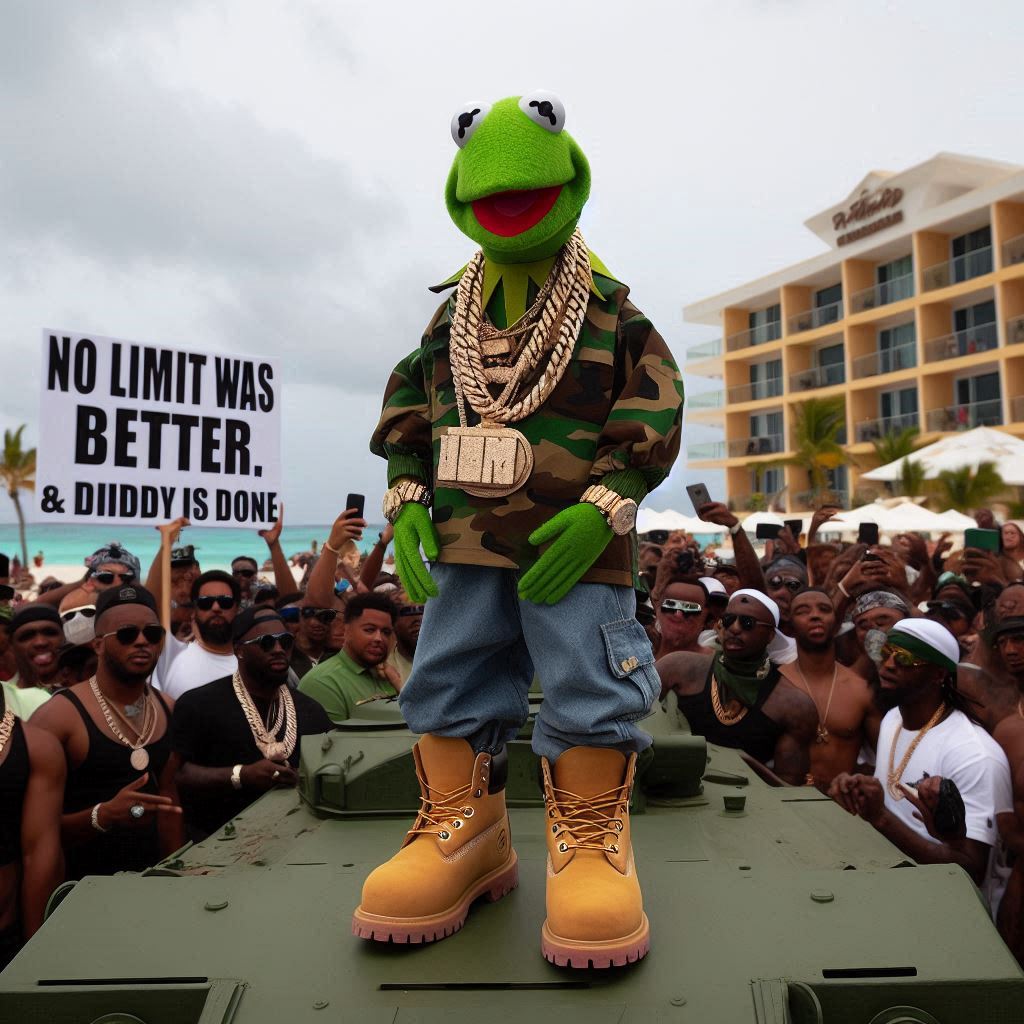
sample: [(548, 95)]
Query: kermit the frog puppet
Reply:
[(539, 409)]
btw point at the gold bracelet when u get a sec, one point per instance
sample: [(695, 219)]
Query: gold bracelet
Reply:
[(333, 551)]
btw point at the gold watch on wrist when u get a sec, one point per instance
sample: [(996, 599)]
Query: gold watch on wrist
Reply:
[(405, 490), (619, 512)]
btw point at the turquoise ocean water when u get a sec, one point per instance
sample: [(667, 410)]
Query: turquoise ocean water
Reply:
[(70, 544)]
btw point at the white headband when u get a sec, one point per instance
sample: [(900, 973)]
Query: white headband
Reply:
[(761, 598)]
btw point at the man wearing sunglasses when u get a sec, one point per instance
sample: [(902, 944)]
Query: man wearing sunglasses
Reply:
[(314, 630), (736, 696), (221, 769), (784, 577), (186, 666), (407, 632), (121, 808), (109, 566), (36, 638), (681, 616)]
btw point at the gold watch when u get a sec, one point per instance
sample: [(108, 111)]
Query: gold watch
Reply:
[(619, 512), (405, 490)]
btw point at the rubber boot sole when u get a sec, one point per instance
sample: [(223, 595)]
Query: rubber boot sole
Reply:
[(415, 930), (612, 953)]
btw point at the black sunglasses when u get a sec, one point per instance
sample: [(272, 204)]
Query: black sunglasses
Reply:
[(126, 635), (747, 622), (247, 573), (207, 601), (792, 585), (410, 609), (946, 610), (324, 615), (109, 577), (86, 612), (268, 641)]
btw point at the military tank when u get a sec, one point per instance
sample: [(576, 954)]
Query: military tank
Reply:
[(768, 905)]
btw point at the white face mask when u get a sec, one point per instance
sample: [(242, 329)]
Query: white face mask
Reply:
[(79, 624)]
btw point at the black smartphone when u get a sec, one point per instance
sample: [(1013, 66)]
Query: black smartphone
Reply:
[(868, 534), (795, 527), (699, 495), (870, 556), (768, 531), (986, 540), (356, 501)]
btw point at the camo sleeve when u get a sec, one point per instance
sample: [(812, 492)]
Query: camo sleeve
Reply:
[(402, 435), (641, 437)]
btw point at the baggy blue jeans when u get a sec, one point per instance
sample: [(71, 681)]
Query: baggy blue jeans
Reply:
[(480, 644)]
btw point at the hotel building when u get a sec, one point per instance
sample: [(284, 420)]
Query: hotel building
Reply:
[(915, 316)]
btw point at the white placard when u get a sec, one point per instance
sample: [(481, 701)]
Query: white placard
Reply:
[(136, 433)]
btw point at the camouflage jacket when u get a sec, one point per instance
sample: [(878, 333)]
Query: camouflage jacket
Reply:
[(615, 418)]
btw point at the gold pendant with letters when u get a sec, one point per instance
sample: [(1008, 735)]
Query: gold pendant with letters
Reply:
[(489, 462)]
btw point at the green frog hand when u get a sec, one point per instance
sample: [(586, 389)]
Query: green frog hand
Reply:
[(413, 528), (580, 534)]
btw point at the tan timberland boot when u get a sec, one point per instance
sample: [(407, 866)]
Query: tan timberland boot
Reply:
[(595, 908), (459, 848)]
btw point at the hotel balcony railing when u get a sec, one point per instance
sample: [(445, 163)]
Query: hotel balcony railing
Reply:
[(817, 377), (982, 338), (967, 416), (903, 357), (817, 317), (882, 294), (815, 499), (770, 388), (1015, 331), (706, 450), (708, 350), (959, 268), (770, 444), (1013, 251), (872, 430), (760, 335), (706, 400), (1017, 409)]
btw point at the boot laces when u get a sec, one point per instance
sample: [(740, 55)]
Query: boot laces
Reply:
[(439, 810), (590, 820)]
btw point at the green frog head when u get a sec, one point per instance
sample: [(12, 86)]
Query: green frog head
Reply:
[(519, 181)]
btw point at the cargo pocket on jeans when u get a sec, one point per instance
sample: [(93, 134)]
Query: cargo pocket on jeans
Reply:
[(630, 657)]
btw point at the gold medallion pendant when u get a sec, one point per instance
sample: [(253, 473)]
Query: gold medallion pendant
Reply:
[(485, 461), (139, 759)]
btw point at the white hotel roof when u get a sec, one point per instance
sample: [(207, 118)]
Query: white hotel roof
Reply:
[(945, 190)]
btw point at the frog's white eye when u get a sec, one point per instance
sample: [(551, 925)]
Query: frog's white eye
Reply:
[(466, 121), (545, 108)]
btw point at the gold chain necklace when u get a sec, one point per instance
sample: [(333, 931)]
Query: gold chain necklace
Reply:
[(139, 755), (267, 742), (823, 733), (6, 728), (895, 774), (725, 717)]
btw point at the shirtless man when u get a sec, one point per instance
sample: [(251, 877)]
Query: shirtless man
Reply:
[(737, 697), (682, 612), (847, 715)]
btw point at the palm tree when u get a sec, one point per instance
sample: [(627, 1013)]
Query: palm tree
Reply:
[(815, 440), (966, 489), (911, 479), (18, 472), (892, 447)]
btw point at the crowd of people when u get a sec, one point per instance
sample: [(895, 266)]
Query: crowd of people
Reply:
[(888, 676)]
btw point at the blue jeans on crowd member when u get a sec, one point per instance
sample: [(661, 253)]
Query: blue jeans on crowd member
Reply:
[(480, 643)]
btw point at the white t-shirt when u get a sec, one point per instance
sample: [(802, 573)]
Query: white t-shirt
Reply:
[(183, 667), (998, 873)]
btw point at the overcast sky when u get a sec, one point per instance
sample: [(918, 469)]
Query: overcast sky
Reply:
[(267, 178)]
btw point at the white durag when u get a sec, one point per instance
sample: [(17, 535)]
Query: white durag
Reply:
[(781, 649)]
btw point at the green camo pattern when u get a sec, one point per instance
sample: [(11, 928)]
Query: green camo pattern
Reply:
[(618, 407)]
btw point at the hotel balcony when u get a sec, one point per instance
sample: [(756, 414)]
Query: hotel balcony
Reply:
[(707, 450), (708, 350), (982, 338), (760, 335), (706, 400), (967, 416), (812, 499), (872, 430), (897, 289), (770, 388), (817, 377), (959, 268), (817, 317), (1015, 331), (771, 444), (1013, 251), (904, 357)]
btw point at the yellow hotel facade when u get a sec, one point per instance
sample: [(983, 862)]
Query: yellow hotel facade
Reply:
[(915, 316)]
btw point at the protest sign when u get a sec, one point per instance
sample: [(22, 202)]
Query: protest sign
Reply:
[(136, 433)]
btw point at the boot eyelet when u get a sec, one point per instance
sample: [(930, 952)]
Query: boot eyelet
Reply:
[(551, 812), (554, 830), (613, 849), (618, 826), (444, 835), (478, 793), (468, 812), (563, 847), (457, 823)]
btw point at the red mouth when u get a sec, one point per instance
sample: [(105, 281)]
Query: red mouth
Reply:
[(511, 213)]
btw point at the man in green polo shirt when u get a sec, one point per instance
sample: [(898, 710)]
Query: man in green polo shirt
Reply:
[(341, 682)]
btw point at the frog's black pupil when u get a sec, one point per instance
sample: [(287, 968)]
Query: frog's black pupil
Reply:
[(545, 109), (465, 120)]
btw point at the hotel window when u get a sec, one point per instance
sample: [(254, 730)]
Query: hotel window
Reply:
[(838, 479), (897, 348), (765, 325), (831, 365), (898, 409), (765, 433), (895, 280), (978, 401), (766, 379), (828, 306), (975, 328), (766, 481), (972, 254)]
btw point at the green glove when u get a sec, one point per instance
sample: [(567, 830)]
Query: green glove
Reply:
[(583, 533), (414, 527)]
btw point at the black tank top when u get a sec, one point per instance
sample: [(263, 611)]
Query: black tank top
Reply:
[(106, 770), (754, 733), (13, 783)]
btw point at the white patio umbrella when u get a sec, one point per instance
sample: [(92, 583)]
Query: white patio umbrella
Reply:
[(969, 448), (957, 522), (911, 518), (848, 522), (647, 519)]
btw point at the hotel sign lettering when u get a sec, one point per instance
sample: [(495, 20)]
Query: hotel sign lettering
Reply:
[(852, 224)]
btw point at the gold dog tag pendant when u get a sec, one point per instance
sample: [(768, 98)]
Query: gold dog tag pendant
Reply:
[(489, 462)]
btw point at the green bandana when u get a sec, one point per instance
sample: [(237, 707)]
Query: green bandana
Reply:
[(742, 678), (916, 646)]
